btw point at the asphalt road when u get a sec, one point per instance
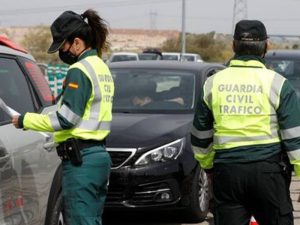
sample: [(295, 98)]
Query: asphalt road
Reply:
[(169, 218)]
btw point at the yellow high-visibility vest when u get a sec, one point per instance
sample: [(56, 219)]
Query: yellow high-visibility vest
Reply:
[(244, 99), (96, 121)]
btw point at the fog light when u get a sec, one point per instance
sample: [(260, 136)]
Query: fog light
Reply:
[(165, 196)]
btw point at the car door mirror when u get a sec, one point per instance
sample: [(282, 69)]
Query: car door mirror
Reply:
[(211, 72)]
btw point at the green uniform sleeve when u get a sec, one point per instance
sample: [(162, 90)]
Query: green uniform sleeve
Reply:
[(288, 115), (76, 93), (202, 134)]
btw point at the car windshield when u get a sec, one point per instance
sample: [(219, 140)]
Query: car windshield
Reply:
[(286, 67), (150, 90)]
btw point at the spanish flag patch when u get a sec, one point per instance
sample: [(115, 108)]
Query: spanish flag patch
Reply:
[(73, 85)]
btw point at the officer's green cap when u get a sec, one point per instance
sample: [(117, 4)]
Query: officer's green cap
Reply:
[(63, 27), (250, 30)]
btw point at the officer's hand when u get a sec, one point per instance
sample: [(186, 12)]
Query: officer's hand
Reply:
[(15, 121)]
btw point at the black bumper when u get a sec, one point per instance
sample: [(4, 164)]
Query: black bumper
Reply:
[(160, 185)]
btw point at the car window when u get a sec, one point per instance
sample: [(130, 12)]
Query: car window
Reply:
[(171, 57), (14, 88), (119, 58), (153, 90), (189, 58), (288, 68), (149, 56)]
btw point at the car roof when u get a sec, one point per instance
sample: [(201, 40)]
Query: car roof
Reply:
[(10, 51), (190, 54), (171, 53), (161, 64), (283, 53)]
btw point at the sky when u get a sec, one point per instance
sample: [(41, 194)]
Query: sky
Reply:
[(202, 16)]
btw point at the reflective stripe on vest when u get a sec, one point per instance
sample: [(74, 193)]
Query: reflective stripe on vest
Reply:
[(290, 133), (202, 134), (54, 122), (199, 150), (232, 134), (68, 114), (93, 123), (96, 120), (294, 155)]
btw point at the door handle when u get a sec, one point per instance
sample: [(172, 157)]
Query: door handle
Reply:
[(50, 146), (4, 156), (2, 151)]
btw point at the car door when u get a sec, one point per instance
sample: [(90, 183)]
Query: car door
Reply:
[(25, 166)]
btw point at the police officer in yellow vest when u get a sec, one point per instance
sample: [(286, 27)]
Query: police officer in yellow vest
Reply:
[(83, 118), (246, 121)]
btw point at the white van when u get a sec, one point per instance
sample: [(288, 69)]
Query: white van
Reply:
[(191, 57), (123, 56), (175, 56)]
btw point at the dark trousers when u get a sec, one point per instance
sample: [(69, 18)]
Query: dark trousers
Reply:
[(260, 189), (84, 187)]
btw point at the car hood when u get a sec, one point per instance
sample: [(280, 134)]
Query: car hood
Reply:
[(147, 130)]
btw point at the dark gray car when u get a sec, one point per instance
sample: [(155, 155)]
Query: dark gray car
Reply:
[(153, 166), (29, 175), (286, 63)]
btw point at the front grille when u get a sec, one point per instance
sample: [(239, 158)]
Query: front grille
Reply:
[(119, 156), (115, 194)]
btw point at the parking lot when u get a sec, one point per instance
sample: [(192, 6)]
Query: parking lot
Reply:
[(168, 219)]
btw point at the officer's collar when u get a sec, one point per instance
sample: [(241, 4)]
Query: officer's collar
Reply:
[(87, 53), (247, 61), (249, 57)]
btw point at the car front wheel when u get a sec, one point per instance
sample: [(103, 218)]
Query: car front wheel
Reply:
[(200, 196), (56, 214)]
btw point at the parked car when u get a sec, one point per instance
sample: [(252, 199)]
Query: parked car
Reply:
[(123, 56), (43, 67), (174, 56), (191, 57), (286, 63), (29, 175), (149, 56), (153, 167)]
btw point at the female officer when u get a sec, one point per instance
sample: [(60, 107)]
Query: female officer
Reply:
[(83, 118)]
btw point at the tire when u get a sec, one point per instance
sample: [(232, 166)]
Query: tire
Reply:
[(199, 197), (56, 213)]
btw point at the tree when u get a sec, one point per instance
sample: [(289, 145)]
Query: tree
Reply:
[(210, 46), (37, 42)]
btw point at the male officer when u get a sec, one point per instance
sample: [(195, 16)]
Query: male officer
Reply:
[(246, 120)]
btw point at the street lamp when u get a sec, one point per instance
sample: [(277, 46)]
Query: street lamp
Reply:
[(183, 28)]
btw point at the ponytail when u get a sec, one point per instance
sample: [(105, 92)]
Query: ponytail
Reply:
[(93, 31), (99, 30)]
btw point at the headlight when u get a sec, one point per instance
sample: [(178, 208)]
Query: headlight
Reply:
[(162, 154)]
